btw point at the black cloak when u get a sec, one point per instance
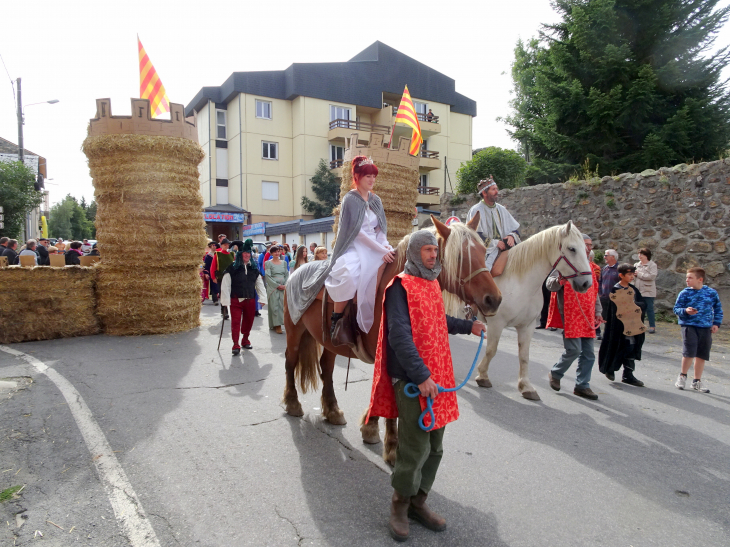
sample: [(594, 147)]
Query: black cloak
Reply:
[(616, 347)]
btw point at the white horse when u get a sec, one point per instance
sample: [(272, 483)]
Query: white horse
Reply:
[(528, 264)]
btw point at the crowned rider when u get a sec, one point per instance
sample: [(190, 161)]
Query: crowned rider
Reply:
[(413, 346), (497, 226), (361, 248)]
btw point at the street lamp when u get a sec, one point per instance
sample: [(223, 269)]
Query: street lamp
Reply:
[(21, 122)]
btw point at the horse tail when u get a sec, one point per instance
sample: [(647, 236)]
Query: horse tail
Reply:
[(308, 369)]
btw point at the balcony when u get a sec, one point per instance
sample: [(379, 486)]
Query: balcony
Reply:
[(341, 129), (429, 190), (429, 127), (429, 160)]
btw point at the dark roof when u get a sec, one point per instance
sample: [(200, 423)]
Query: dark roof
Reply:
[(7, 147), (361, 81), (316, 225), (287, 227), (224, 208)]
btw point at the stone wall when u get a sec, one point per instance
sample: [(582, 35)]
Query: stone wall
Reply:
[(681, 213)]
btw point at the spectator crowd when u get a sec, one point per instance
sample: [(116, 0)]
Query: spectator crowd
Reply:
[(41, 250)]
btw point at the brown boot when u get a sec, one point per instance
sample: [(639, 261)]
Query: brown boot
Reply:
[(277, 329), (399, 516), (420, 511)]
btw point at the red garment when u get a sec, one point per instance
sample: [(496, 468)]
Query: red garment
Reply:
[(431, 337), (242, 314), (579, 309)]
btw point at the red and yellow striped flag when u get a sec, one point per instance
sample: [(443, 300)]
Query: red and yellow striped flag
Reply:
[(407, 116), (150, 85)]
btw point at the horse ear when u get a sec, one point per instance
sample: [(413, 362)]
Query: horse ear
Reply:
[(474, 222), (567, 229), (443, 230)]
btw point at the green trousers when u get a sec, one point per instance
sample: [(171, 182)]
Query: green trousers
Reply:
[(419, 452)]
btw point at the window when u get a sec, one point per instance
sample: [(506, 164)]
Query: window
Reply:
[(270, 191), (340, 113), (220, 122), (263, 109), (221, 195), (421, 108), (221, 163), (424, 180), (270, 150), (336, 153)]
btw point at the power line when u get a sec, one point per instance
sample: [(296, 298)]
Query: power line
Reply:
[(9, 78)]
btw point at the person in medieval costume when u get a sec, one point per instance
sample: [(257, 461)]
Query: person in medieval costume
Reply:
[(240, 283), (497, 227), (413, 346), (619, 349), (276, 276), (578, 315), (221, 260), (360, 250)]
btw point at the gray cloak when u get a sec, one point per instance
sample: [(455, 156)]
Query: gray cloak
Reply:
[(306, 282)]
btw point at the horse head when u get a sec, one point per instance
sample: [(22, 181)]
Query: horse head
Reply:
[(572, 261), (462, 255)]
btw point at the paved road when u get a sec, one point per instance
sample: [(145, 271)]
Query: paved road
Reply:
[(213, 461)]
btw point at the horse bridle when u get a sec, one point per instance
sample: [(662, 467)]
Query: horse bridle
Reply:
[(463, 282), (569, 263)]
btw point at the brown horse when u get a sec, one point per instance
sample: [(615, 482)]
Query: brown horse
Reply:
[(462, 255)]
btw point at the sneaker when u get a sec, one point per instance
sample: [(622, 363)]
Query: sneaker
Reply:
[(586, 393), (697, 385), (681, 382)]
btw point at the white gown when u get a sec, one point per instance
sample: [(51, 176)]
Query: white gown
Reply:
[(356, 270)]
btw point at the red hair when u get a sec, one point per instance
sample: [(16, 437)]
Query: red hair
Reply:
[(361, 170)]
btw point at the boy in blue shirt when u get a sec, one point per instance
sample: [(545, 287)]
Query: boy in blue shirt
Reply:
[(700, 316)]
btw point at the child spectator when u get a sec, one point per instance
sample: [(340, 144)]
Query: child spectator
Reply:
[(700, 316)]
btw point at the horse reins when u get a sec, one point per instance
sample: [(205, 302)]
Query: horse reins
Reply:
[(569, 263)]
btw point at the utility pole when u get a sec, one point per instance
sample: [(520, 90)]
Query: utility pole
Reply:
[(21, 155)]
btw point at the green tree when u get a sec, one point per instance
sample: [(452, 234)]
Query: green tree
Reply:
[(18, 196), (69, 221), (91, 217), (507, 167), (625, 84), (327, 189)]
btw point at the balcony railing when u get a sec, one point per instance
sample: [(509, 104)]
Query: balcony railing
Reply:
[(334, 164), (428, 190), (428, 154), (421, 117), (359, 126)]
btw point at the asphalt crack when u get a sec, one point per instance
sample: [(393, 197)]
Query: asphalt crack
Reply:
[(264, 422), (300, 537)]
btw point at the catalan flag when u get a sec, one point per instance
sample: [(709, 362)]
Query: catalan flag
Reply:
[(407, 116), (150, 85)]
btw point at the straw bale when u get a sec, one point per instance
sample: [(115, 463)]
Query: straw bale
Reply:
[(151, 301), (43, 303)]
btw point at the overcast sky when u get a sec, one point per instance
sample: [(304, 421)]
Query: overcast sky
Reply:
[(78, 51)]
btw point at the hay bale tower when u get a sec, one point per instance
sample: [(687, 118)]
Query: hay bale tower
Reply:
[(397, 182), (149, 220)]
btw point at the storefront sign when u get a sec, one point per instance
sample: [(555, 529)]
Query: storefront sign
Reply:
[(254, 229), (223, 217)]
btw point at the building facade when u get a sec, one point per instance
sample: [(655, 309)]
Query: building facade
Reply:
[(264, 133)]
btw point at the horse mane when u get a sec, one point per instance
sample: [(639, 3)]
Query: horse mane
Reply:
[(523, 257)]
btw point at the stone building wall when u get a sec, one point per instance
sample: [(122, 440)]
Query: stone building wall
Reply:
[(681, 213)]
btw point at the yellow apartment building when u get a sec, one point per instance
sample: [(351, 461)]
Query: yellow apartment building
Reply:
[(264, 133)]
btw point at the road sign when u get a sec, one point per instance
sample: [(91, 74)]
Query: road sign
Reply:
[(451, 220)]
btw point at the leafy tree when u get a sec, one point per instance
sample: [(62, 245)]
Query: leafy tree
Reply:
[(91, 217), (69, 221), (327, 189), (507, 167), (625, 84), (18, 196)]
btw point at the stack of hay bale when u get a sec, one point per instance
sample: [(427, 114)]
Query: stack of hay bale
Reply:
[(396, 185), (43, 303), (149, 220)]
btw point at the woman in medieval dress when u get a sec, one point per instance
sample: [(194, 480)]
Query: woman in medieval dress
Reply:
[(276, 277), (354, 268)]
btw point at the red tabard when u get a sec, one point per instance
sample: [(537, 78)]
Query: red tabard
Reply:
[(431, 337), (579, 309)]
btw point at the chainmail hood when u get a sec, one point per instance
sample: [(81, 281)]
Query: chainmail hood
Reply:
[(414, 266)]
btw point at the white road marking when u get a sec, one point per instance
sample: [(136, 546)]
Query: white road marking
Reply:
[(127, 508)]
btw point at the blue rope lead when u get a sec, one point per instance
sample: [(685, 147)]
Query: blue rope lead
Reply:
[(411, 390)]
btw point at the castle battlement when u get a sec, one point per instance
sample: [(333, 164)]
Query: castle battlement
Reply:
[(379, 151), (141, 121)]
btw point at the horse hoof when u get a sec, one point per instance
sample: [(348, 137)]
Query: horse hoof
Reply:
[(484, 382), (531, 395), (336, 417), (294, 410), (370, 437)]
